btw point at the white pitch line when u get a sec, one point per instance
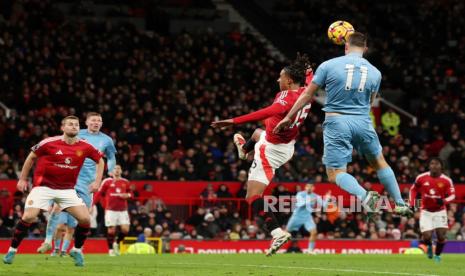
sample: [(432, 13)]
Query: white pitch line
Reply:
[(306, 268)]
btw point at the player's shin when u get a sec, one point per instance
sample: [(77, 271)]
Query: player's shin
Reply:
[(439, 247), (258, 207), (349, 184), (121, 237), (80, 235), (249, 145), (110, 239), (51, 227), (388, 179), (20, 233)]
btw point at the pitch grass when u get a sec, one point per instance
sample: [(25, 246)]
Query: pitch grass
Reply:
[(240, 264)]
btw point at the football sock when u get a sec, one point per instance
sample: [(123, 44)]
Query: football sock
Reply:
[(51, 226), (57, 243), (258, 207), (439, 247), (110, 240), (121, 237), (311, 245), (388, 179), (65, 246), (249, 145), (20, 233), (349, 184), (80, 235)]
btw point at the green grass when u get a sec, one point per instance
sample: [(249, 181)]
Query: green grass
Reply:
[(240, 264)]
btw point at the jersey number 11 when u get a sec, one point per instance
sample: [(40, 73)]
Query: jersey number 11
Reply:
[(350, 76)]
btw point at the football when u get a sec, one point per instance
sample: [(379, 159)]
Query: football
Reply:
[(339, 32)]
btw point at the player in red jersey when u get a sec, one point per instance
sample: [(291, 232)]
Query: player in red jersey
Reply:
[(116, 192), (59, 160), (272, 150), (436, 190)]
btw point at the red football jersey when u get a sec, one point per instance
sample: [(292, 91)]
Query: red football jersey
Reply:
[(286, 99), (59, 163), (431, 189), (112, 190)]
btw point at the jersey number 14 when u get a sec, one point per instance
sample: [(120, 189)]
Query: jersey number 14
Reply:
[(350, 76)]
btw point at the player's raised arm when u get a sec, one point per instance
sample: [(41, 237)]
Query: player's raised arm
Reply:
[(27, 166)]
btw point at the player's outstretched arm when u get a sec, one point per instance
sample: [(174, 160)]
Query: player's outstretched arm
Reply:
[(27, 166), (222, 123), (258, 115), (303, 100)]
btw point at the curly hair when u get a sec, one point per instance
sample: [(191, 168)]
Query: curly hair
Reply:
[(296, 70)]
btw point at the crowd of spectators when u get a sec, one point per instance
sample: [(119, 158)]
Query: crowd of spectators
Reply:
[(158, 94)]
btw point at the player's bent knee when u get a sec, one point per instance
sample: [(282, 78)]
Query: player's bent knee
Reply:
[(256, 134), (83, 220)]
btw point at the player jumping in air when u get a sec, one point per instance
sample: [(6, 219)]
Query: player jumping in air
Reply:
[(351, 84), (436, 190), (306, 203), (273, 150), (116, 191), (59, 160), (104, 144)]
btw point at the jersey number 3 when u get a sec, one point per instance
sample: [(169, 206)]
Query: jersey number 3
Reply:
[(350, 76)]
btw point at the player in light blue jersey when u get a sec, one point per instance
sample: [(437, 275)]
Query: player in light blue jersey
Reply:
[(86, 177), (307, 202), (351, 85)]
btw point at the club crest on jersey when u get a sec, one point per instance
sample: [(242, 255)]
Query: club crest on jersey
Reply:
[(440, 184), (79, 152), (30, 202), (59, 152), (68, 160)]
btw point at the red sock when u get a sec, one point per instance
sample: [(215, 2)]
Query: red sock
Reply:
[(20, 233)]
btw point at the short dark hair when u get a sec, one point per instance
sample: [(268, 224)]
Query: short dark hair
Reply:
[(358, 39), (296, 70), (437, 159), (90, 114), (71, 117)]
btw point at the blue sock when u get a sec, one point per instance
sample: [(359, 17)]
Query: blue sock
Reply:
[(349, 184), (51, 226), (388, 179), (57, 243), (65, 246), (311, 245)]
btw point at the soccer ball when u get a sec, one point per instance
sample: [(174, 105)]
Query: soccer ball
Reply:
[(339, 32)]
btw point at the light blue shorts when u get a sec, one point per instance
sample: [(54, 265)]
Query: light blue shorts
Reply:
[(343, 133), (66, 218), (295, 223), (82, 189)]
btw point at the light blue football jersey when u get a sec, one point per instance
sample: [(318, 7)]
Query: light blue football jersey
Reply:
[(349, 82), (306, 204), (103, 143)]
